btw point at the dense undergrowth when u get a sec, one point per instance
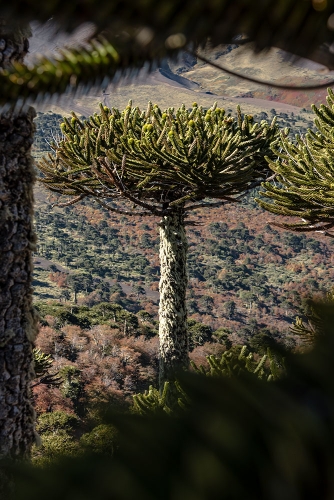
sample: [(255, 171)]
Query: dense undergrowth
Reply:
[(233, 435), (104, 359)]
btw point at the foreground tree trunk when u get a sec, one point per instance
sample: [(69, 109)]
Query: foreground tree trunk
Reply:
[(17, 240), (173, 331)]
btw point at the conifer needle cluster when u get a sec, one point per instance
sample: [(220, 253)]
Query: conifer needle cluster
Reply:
[(158, 160), (305, 175)]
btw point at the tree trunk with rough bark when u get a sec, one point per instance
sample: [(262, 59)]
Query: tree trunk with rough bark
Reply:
[(17, 240), (173, 331)]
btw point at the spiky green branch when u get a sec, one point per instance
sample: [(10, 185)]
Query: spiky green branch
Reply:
[(159, 159), (305, 175), (74, 69)]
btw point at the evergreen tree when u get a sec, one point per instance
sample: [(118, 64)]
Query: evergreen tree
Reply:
[(314, 328), (164, 164), (305, 174), (42, 366), (230, 307)]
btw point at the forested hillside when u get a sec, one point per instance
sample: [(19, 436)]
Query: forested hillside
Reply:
[(96, 291), (245, 274)]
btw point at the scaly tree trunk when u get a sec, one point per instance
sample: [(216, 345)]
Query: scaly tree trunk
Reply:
[(173, 334), (17, 239)]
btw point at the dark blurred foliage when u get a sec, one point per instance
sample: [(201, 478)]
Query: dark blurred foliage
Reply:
[(145, 32), (298, 26), (240, 438)]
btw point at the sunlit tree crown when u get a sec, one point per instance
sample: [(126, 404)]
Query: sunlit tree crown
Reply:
[(305, 175), (159, 159)]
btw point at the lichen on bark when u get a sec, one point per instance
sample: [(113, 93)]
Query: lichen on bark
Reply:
[(17, 318), (17, 240), (173, 334)]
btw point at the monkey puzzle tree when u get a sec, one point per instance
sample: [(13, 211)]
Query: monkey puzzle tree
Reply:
[(305, 173), (164, 164)]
